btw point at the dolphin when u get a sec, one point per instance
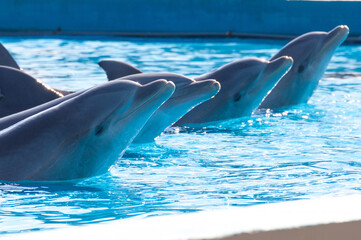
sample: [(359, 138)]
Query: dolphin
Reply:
[(311, 54), (81, 136), (187, 95), (244, 85)]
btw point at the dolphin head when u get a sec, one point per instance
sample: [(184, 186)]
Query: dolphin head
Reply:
[(188, 94), (128, 111), (244, 84), (312, 51), (83, 136), (311, 54)]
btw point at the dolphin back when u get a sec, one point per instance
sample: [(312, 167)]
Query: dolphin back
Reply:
[(117, 69)]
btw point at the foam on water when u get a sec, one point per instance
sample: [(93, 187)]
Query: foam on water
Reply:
[(304, 152)]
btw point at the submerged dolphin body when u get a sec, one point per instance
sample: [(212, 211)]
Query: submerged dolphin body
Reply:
[(81, 136), (311, 54), (244, 85), (188, 94)]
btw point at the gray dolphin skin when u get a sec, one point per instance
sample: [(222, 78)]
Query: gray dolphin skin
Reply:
[(244, 83), (187, 95), (311, 54), (81, 136), (19, 91)]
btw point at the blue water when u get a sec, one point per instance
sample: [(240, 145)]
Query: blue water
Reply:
[(303, 152)]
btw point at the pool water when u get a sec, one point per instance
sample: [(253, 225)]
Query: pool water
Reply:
[(304, 152)]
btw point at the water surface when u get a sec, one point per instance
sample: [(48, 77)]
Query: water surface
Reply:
[(303, 152)]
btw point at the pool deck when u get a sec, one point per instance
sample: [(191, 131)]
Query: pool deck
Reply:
[(319, 219), (186, 18)]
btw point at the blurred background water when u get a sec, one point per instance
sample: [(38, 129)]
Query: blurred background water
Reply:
[(303, 152)]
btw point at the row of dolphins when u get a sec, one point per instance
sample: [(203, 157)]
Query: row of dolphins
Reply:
[(48, 134)]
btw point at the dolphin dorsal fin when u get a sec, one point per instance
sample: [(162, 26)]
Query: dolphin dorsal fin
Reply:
[(15, 80), (117, 69), (6, 59)]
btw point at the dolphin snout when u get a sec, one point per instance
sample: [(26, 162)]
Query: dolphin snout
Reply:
[(156, 87), (198, 91), (210, 85), (337, 35), (341, 29), (280, 65), (161, 89), (274, 71), (207, 88), (147, 99)]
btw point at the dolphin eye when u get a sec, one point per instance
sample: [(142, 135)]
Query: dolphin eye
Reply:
[(99, 130), (301, 68), (237, 97)]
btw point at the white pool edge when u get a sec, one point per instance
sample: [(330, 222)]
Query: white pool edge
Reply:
[(244, 222)]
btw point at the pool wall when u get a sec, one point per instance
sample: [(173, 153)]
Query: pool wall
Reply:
[(317, 219), (244, 18)]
